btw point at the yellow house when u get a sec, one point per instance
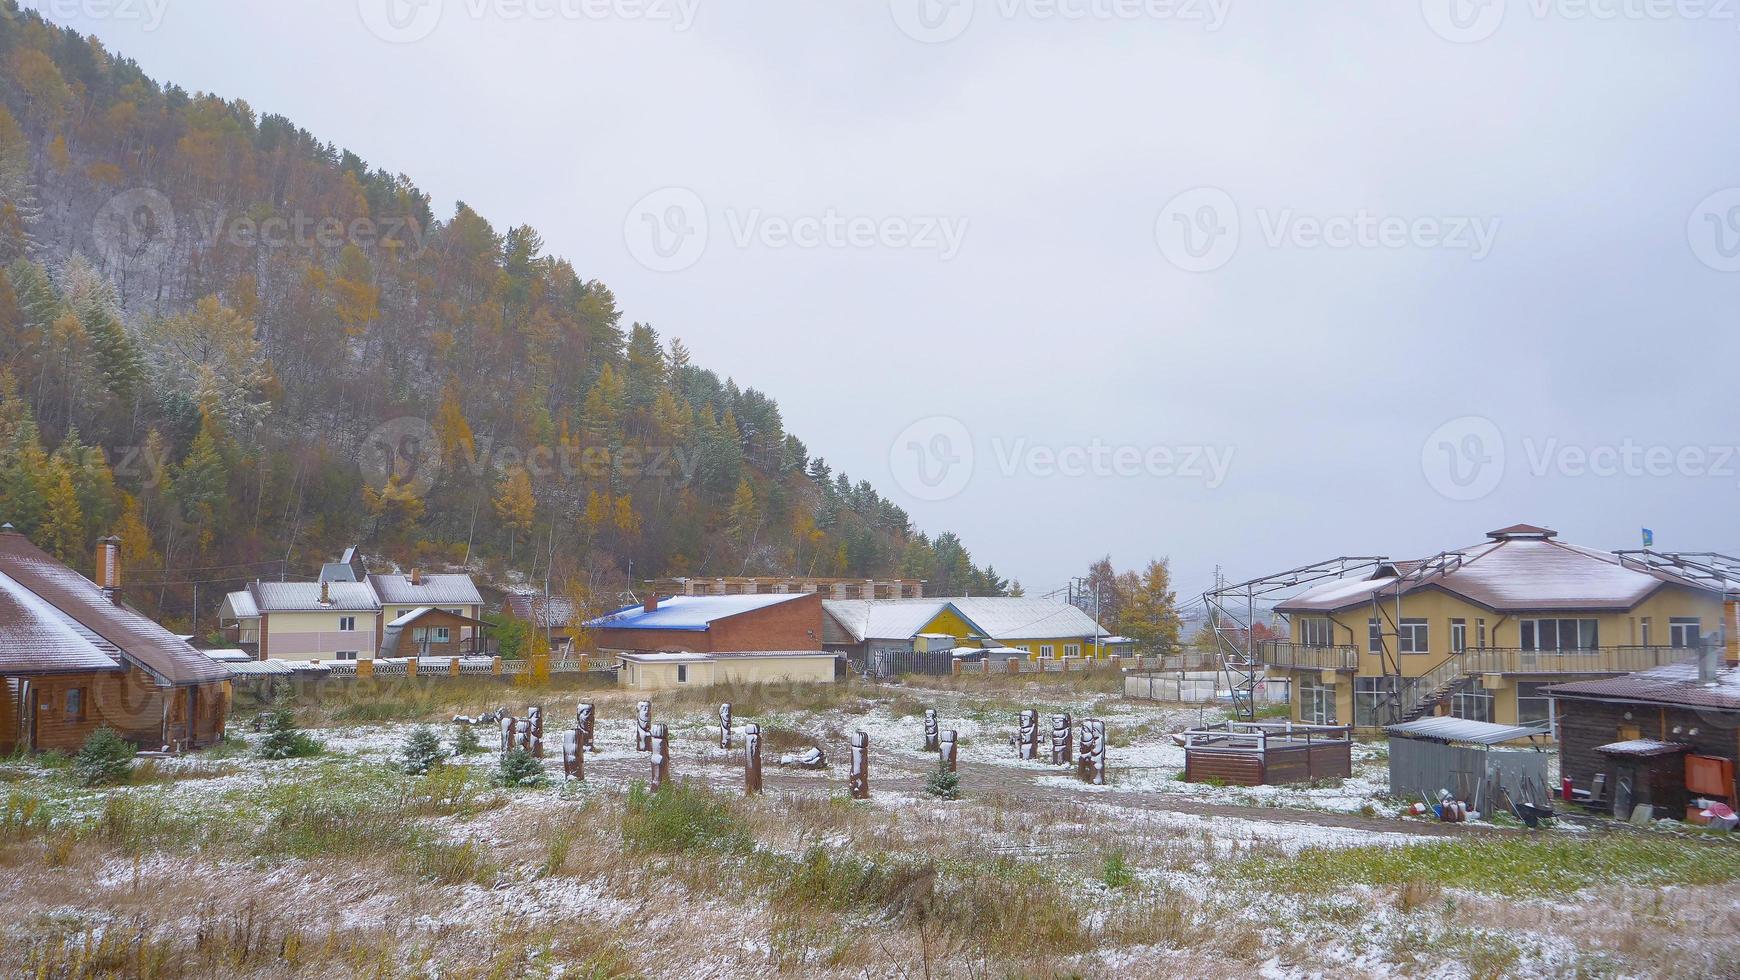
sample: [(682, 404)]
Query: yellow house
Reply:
[(667, 671), (1045, 628), (1479, 632)]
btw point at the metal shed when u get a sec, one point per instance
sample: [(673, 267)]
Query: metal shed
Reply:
[(1458, 756)]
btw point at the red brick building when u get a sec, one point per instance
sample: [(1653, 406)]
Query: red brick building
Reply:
[(713, 624)]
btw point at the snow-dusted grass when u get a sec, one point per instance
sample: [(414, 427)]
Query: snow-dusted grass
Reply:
[(225, 864)]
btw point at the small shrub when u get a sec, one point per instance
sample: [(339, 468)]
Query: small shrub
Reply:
[(682, 818), (521, 768), (421, 752), (465, 740), (282, 739), (1116, 872), (943, 783), (450, 864), (105, 759)]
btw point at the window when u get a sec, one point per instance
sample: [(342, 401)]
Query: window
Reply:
[(1316, 703), (1072, 649), (347, 624), (1047, 650), (1532, 703), (1554, 635), (1648, 628), (75, 704), (1375, 635), (1684, 632), (345, 655), (682, 673), (1413, 636), (1370, 695), (1316, 632), (1473, 704), (441, 634), (1480, 633), (1458, 635)]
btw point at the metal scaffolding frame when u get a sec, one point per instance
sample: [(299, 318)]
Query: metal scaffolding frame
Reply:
[(1238, 659), (1717, 572)]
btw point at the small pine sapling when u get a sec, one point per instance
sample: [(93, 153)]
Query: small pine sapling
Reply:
[(421, 752)]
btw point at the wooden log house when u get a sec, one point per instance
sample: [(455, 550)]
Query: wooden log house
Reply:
[(74, 659)]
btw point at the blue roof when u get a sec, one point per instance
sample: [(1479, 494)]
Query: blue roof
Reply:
[(688, 612)]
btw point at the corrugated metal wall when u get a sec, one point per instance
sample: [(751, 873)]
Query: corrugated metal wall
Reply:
[(1423, 768)]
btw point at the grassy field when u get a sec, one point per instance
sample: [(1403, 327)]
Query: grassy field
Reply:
[(341, 865)]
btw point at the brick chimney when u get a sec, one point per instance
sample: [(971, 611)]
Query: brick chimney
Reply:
[(416, 576), (109, 566), (652, 602), (326, 593)]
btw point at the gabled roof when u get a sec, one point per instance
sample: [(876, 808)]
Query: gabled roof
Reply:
[(271, 597), (1674, 685), (996, 617), (692, 613), (434, 590), (551, 611), (337, 571), (242, 605), (54, 619), (1518, 569)]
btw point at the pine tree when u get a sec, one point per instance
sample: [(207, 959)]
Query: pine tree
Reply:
[(200, 485), (421, 752), (283, 739), (520, 768), (943, 783), (105, 759), (465, 740)]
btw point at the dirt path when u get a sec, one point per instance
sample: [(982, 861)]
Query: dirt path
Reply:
[(894, 773)]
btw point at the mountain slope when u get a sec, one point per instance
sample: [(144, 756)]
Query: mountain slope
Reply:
[(279, 351)]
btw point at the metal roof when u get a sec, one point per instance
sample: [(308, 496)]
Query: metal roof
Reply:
[(995, 617), (692, 613), (1675, 684), (42, 591), (434, 590), (242, 605), (271, 597), (1447, 729), (1642, 748), (1519, 569), (257, 668)]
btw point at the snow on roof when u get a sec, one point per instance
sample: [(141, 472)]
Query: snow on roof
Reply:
[(1675, 684), (1021, 618), (1642, 748), (997, 617), (406, 619), (893, 619), (230, 656), (1336, 595), (90, 612), (270, 597), (678, 656), (34, 636), (242, 605), (1448, 729), (1522, 570), (689, 612), (446, 589)]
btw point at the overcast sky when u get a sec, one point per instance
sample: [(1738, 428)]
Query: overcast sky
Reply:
[(1273, 282)]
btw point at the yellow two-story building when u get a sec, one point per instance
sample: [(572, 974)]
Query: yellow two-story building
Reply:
[(1479, 632)]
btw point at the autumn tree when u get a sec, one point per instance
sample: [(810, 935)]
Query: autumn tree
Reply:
[(515, 506)]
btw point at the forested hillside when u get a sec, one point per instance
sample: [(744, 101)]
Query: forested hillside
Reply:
[(207, 316)]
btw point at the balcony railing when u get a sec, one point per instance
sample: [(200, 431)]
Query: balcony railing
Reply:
[(1298, 656), (1286, 655)]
